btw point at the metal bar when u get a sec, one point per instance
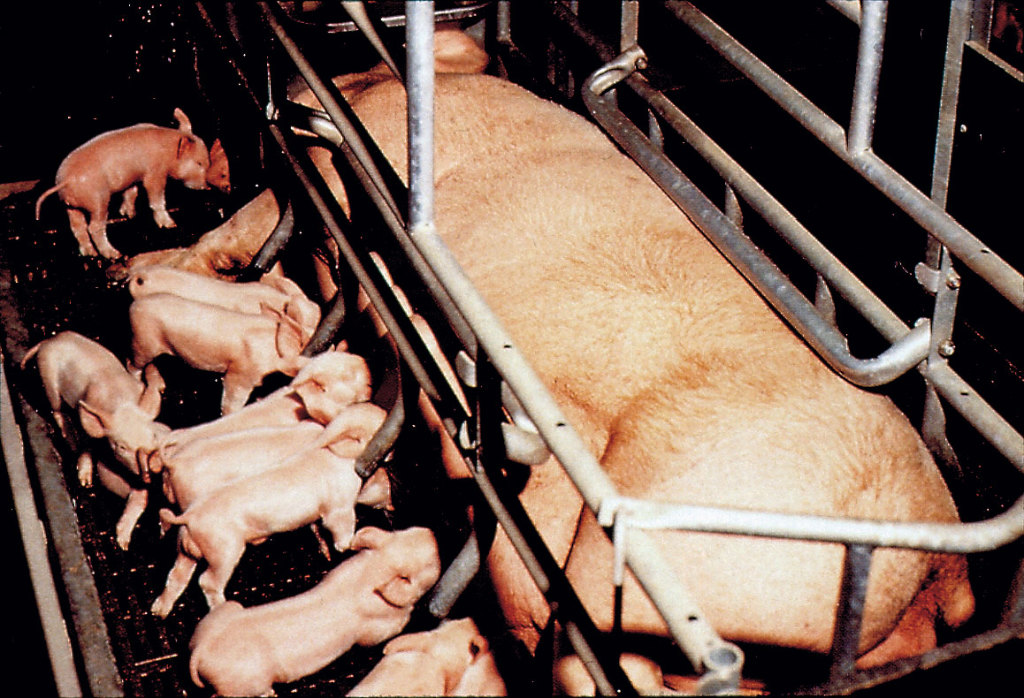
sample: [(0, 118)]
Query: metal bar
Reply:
[(959, 31), (853, 593), (847, 8), (629, 23), (404, 335), (867, 678), (905, 352), (966, 400), (869, 67), (973, 537), (974, 253), (33, 536), (419, 37), (324, 94)]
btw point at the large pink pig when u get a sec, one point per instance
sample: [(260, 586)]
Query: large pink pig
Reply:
[(677, 374), (365, 600), (112, 162), (244, 347)]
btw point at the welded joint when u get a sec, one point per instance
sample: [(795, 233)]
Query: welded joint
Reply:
[(618, 69), (721, 662)]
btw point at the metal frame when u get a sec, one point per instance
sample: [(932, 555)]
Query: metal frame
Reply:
[(485, 346)]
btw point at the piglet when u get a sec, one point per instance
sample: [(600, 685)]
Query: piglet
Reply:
[(243, 347), (111, 403), (452, 660), (314, 485), (112, 162), (273, 291), (365, 600), (328, 383)]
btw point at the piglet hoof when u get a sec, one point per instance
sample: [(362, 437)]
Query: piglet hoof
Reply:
[(161, 608), (163, 219), (109, 252), (85, 469), (127, 210)]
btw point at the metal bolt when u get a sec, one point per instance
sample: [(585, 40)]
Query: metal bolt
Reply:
[(946, 348), (953, 281)]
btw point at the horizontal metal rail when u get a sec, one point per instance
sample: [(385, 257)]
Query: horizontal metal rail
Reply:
[(973, 537), (964, 245)]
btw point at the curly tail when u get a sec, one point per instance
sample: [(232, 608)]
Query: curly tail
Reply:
[(29, 354), (51, 190)]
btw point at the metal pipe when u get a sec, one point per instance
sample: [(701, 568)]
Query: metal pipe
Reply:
[(975, 254), (970, 537), (33, 536), (324, 94), (853, 592), (419, 37), (905, 353), (966, 400), (869, 67), (271, 248)]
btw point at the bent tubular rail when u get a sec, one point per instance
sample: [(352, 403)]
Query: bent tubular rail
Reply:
[(905, 353)]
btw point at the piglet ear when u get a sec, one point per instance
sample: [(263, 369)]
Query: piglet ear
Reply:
[(185, 146), (289, 336), (399, 591), (94, 420), (184, 124), (217, 150), (368, 538)]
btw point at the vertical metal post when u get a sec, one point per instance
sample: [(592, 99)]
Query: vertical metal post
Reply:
[(852, 594), (869, 66), (419, 38), (937, 257), (629, 27)]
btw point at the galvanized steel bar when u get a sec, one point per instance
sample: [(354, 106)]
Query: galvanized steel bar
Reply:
[(853, 592), (419, 38), (869, 67), (966, 400), (972, 537), (959, 32), (974, 253)]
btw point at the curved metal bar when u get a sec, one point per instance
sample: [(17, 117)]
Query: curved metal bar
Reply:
[(905, 353), (274, 243), (328, 328)]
